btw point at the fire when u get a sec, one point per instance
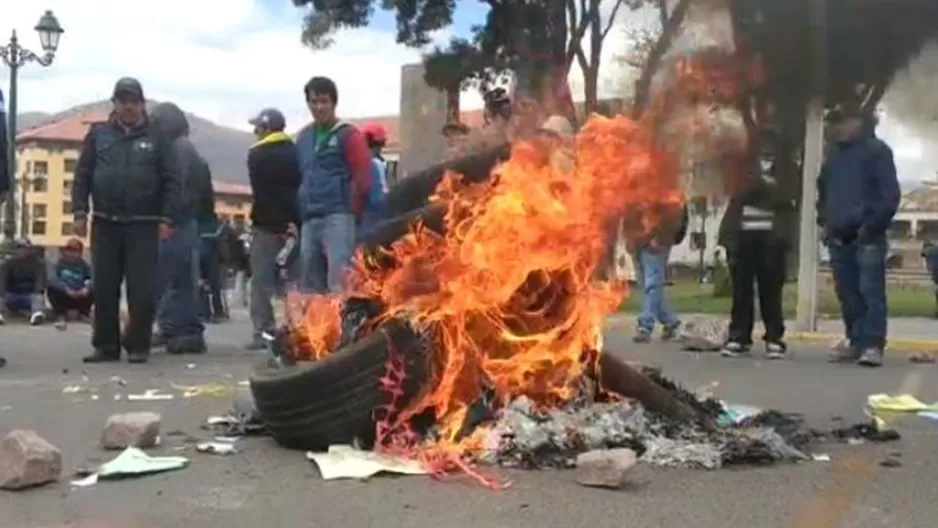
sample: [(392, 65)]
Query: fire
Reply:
[(509, 292)]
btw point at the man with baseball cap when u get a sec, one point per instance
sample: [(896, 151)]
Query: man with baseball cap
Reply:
[(127, 166), (274, 171), (858, 196)]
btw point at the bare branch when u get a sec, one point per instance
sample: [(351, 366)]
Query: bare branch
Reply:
[(612, 18)]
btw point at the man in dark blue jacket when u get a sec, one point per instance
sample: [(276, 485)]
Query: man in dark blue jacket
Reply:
[(177, 277), (128, 167), (858, 195)]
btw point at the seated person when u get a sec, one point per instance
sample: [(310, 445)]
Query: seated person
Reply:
[(70, 284), (23, 281)]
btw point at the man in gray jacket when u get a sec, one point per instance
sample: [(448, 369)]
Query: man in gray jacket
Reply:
[(180, 326)]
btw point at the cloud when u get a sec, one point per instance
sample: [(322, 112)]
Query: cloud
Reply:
[(220, 59)]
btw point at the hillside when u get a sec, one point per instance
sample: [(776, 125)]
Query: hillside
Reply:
[(224, 148)]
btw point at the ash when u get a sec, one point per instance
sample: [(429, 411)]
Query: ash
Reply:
[(524, 436)]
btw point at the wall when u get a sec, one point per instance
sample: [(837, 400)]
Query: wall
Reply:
[(49, 172), (235, 208)]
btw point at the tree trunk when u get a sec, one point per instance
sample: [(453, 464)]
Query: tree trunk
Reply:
[(453, 114), (668, 33)]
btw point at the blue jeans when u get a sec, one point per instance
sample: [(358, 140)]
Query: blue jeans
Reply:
[(326, 248), (860, 282), (650, 267), (24, 302), (176, 280)]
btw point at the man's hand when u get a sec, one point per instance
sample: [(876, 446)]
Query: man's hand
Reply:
[(291, 230), (80, 227), (83, 292), (165, 231)]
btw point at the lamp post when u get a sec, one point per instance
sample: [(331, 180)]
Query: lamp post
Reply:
[(15, 56)]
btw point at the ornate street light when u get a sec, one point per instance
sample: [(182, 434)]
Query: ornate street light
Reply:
[(15, 56)]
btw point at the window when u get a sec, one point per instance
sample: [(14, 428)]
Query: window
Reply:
[(70, 165), (67, 187), (39, 227), (66, 207), (40, 184), (39, 210), (40, 168), (67, 229), (698, 241)]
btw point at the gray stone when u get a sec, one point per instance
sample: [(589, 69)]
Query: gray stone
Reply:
[(136, 429), (27, 460), (605, 468)]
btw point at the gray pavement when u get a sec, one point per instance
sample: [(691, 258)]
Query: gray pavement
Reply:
[(265, 485)]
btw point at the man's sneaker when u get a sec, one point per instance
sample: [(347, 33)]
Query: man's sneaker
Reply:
[(138, 357), (60, 324), (775, 350), (843, 352), (735, 349), (670, 331), (642, 336), (871, 357), (257, 343), (37, 318), (99, 356)]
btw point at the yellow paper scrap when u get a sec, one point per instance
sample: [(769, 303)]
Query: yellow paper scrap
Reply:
[(899, 403)]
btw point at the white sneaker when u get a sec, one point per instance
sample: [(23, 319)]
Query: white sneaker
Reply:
[(37, 318), (735, 349)]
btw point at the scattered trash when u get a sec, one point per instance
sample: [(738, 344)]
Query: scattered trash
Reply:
[(119, 381), (190, 366), (27, 460), (923, 358), (900, 403), (344, 461), (75, 389), (242, 420), (734, 414), (136, 429), (6, 408), (133, 462), (150, 395), (821, 457), (216, 448), (209, 389), (929, 414), (893, 460)]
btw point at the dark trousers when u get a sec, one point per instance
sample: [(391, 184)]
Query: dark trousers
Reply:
[(860, 282), (124, 252), (62, 303), (757, 259), (210, 294)]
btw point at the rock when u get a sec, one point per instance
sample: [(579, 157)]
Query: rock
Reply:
[(137, 429), (605, 468), (703, 334), (27, 460)]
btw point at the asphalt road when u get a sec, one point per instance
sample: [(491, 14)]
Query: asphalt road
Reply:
[(267, 486)]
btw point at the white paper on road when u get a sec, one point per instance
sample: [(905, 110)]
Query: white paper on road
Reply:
[(344, 461), (150, 395), (133, 462)]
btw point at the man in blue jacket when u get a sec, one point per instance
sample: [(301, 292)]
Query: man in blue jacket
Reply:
[(336, 170), (858, 195)]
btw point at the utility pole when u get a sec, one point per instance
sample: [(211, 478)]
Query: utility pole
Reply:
[(811, 167)]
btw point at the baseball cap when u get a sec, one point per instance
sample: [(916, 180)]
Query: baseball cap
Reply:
[(128, 86), (269, 118)]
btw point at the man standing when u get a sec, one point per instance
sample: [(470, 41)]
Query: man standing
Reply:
[(180, 326), (756, 233), (858, 195), (376, 208), (335, 164), (651, 252), (128, 167), (274, 171)]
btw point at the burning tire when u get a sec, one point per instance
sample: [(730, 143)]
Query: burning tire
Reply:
[(312, 405)]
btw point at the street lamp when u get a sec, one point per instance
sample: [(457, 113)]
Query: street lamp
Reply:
[(15, 56)]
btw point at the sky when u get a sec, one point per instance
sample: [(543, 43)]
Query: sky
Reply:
[(226, 59)]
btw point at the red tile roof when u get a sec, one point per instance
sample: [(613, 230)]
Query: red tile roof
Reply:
[(71, 128)]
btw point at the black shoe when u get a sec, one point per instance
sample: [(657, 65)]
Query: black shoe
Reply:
[(776, 350), (642, 336), (186, 345), (138, 357), (670, 332), (735, 349), (99, 356), (3, 361)]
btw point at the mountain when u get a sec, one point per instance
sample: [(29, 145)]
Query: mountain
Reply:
[(224, 148)]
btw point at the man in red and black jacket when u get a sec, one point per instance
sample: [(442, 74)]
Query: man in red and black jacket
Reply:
[(274, 171)]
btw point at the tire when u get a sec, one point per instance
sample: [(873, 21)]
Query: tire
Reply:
[(313, 405)]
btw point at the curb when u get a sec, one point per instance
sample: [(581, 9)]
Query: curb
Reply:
[(897, 345)]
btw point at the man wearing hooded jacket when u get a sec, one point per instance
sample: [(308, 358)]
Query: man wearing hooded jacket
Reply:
[(180, 325)]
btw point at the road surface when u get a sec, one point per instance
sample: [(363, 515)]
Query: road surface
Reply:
[(267, 486)]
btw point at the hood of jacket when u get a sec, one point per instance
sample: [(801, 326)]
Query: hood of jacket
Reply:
[(171, 120)]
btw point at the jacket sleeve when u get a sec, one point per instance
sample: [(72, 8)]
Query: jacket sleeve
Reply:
[(171, 179), (358, 159), (883, 167), (54, 280), (821, 194), (206, 206), (84, 171)]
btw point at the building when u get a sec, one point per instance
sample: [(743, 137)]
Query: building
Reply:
[(46, 160)]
